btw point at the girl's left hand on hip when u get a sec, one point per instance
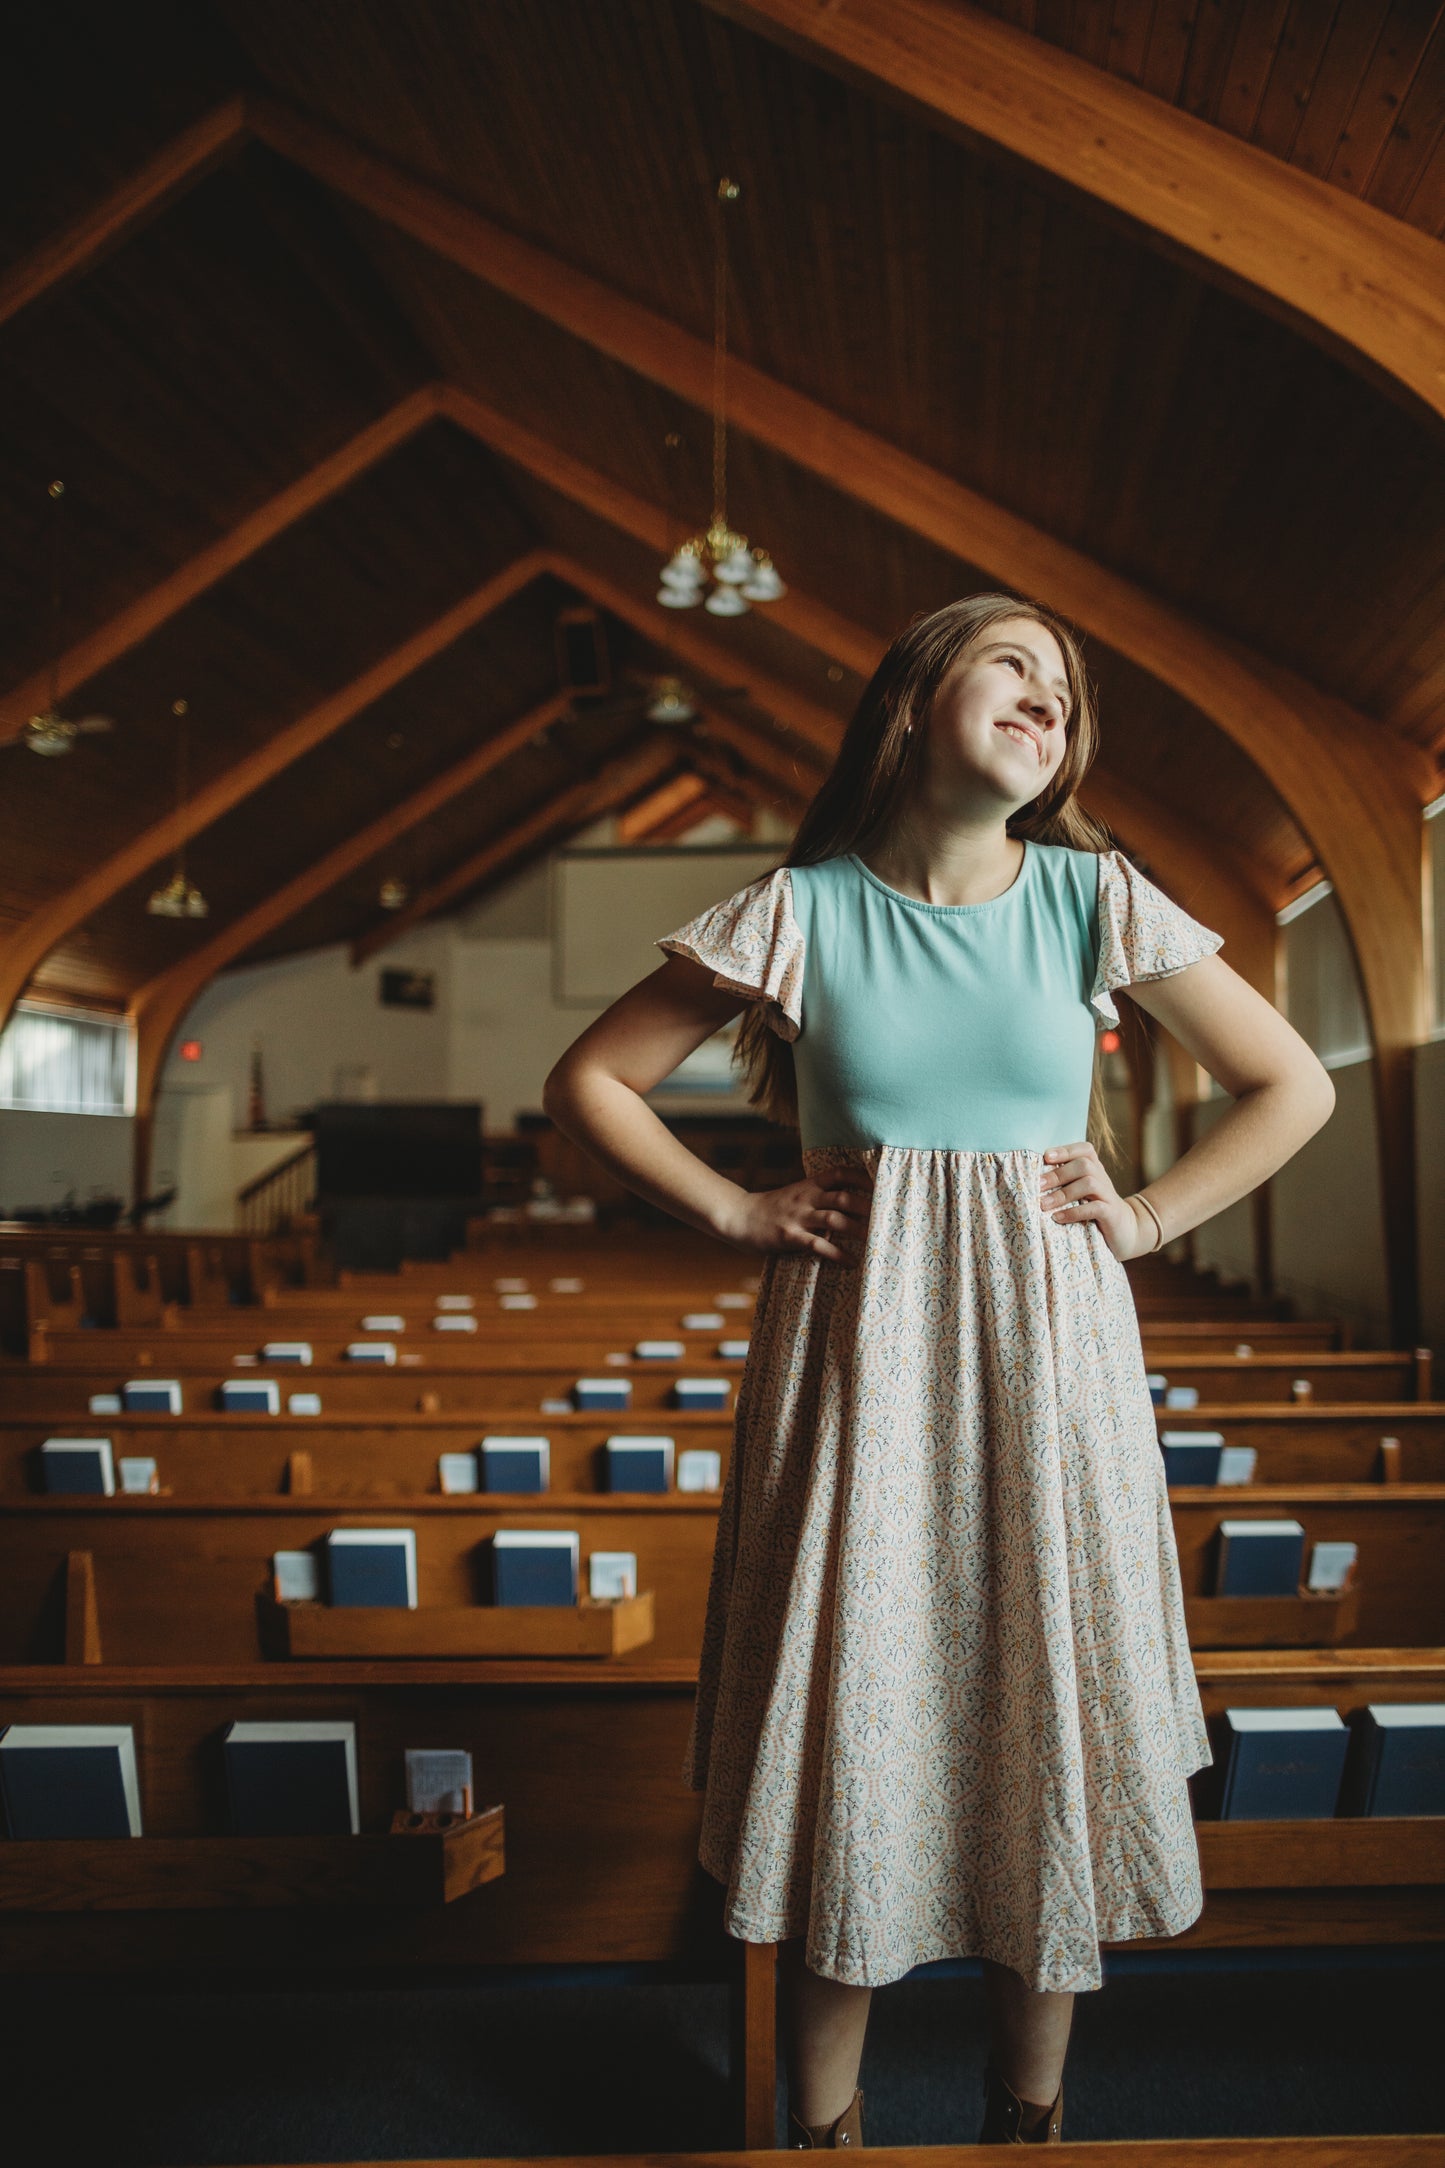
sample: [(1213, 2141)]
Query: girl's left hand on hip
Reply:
[(1074, 1186)]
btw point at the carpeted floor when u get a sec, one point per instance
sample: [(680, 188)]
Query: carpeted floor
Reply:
[(1301, 2043)]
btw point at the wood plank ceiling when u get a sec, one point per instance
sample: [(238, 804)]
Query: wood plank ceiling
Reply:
[(999, 329)]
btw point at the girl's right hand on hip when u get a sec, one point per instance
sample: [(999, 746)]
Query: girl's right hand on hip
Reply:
[(826, 1219)]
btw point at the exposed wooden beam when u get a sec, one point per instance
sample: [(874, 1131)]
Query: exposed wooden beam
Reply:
[(806, 718), (756, 775), (568, 811), (177, 166), (148, 612), (1355, 787), (794, 777), (798, 613), (680, 793), (27, 945), (802, 615), (159, 1006), (1365, 285), (1206, 879)]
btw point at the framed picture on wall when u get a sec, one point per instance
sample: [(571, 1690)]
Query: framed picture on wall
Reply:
[(408, 989)]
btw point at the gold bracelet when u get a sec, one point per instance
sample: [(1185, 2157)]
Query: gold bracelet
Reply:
[(1158, 1242)]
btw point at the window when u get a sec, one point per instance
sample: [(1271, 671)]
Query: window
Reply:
[(1322, 988), (65, 1061)]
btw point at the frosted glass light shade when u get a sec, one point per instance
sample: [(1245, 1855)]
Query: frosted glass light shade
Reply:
[(725, 601), (763, 584), (736, 567), (679, 598)]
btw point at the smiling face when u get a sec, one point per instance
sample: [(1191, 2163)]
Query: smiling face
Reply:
[(999, 719)]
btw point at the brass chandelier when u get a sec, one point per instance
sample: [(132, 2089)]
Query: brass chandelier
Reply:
[(717, 567)]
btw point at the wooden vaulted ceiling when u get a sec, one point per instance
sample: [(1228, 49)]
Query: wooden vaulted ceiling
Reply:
[(1071, 378)]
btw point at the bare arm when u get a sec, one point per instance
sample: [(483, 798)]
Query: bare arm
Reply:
[(594, 1095), (1281, 1091)]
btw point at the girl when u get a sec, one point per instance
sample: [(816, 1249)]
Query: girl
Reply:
[(945, 1705)]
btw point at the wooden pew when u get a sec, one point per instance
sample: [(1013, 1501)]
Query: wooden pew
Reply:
[(377, 1441), (601, 1833), (169, 1575), (377, 1455), (1313, 1442), (64, 1391), (169, 1566), (1349, 1375)]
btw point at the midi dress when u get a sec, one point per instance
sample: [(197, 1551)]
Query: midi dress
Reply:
[(945, 1701)]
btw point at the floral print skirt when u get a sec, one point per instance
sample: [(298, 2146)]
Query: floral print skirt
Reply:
[(946, 1706)]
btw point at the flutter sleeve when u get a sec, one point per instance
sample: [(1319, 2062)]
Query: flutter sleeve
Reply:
[(1142, 935), (753, 946)]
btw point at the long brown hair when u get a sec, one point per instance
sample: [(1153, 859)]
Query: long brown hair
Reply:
[(872, 778)]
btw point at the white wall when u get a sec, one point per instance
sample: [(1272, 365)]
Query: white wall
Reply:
[(45, 1158)]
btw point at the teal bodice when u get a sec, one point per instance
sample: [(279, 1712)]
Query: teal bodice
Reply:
[(948, 1027)]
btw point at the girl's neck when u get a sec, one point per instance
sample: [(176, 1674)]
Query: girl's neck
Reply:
[(949, 865)]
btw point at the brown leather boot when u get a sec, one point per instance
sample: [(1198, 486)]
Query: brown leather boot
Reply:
[(847, 2130), (1007, 2120)]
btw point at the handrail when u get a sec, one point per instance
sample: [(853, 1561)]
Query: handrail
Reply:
[(268, 1204)]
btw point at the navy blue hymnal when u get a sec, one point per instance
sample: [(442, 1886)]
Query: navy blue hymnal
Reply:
[(701, 1396), (78, 1466), (602, 1395), (292, 1780), (369, 1567), (515, 1464), (251, 1396), (1260, 1558), (152, 1396), (69, 1780), (639, 1464), (535, 1566), (1191, 1456), (1282, 1765), (1397, 1759)]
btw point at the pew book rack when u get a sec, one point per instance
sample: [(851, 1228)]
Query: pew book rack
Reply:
[(409, 1869), (1301, 1621), (318, 1631), (1343, 1852)]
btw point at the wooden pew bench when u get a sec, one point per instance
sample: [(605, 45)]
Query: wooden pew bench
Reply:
[(602, 1835), (378, 1442), (453, 1372), (1220, 1380), (377, 1455), (165, 1567), (171, 1577)]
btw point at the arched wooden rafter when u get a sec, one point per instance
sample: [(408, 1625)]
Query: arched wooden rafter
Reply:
[(28, 943), (570, 809), (159, 1006), (175, 168), (1366, 286), (148, 612)]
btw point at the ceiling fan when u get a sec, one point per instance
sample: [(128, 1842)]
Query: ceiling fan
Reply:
[(661, 698), (50, 733)]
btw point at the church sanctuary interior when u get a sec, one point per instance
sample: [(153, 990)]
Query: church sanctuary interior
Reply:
[(462, 462)]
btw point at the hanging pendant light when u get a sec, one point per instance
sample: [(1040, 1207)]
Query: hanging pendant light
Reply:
[(718, 567), (179, 897)]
